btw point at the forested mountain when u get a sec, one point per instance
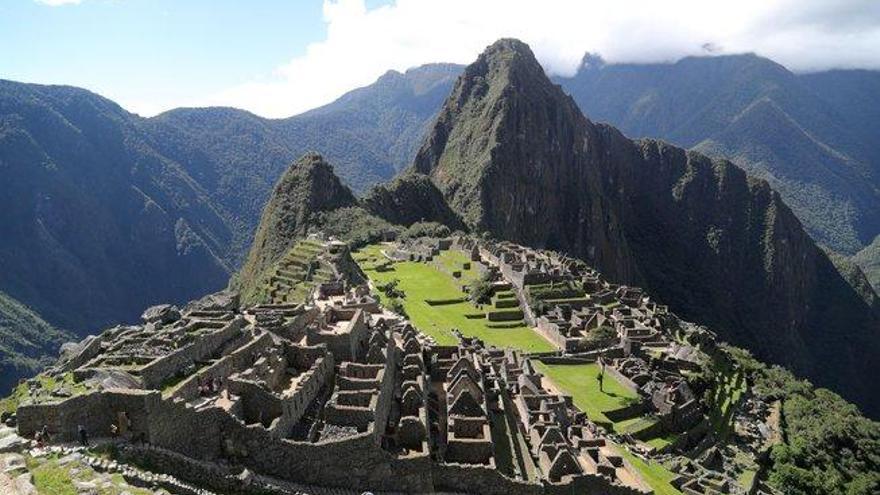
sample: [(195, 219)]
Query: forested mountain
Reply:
[(513, 155), (96, 221), (106, 212)]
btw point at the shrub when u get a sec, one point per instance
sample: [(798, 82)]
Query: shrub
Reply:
[(396, 305), (391, 290), (480, 291), (425, 229)]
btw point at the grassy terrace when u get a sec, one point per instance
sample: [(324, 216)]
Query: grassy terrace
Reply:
[(52, 478), (422, 281), (582, 383), (48, 385), (657, 476), (722, 399), (453, 260)]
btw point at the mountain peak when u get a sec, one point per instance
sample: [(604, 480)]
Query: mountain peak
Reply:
[(307, 188), (507, 57)]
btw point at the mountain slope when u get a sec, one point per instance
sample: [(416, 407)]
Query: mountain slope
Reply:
[(513, 155), (809, 141), (369, 134), (27, 342), (96, 223), (868, 260)]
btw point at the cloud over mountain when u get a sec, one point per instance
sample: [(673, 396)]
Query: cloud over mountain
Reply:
[(362, 43)]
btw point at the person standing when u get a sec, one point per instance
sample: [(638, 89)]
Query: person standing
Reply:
[(83, 436)]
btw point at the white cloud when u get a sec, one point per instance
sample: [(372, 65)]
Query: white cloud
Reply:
[(362, 44), (57, 3)]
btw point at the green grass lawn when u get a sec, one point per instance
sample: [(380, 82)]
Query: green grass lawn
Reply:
[(453, 260), (582, 383), (421, 281)]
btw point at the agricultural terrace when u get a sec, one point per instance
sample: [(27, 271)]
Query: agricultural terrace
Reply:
[(450, 309), (729, 385)]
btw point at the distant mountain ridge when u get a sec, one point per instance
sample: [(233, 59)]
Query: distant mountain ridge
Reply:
[(811, 141)]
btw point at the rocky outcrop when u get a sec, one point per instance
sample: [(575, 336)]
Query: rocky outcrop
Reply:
[(161, 313), (225, 300), (411, 198), (513, 155)]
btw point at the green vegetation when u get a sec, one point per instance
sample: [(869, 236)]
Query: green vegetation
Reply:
[(828, 448), (421, 282), (728, 386), (425, 229), (354, 225), (581, 381), (561, 290), (47, 385), (52, 478), (453, 260), (480, 291), (26, 342), (600, 334), (542, 297)]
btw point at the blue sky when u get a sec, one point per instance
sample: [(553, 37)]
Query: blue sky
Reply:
[(281, 57), (141, 51)]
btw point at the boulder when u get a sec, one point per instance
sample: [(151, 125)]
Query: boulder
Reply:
[(113, 379), (12, 443), (161, 313)]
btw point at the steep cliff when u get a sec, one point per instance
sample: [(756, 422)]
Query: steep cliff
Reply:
[(513, 155)]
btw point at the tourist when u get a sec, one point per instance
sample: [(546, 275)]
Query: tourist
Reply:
[(45, 432), (83, 436), (601, 378), (126, 422)]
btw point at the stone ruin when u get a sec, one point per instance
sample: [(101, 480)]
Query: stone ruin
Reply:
[(339, 392)]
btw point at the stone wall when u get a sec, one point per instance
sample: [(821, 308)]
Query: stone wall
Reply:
[(157, 372), (483, 480), (96, 412), (90, 349), (223, 368)]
